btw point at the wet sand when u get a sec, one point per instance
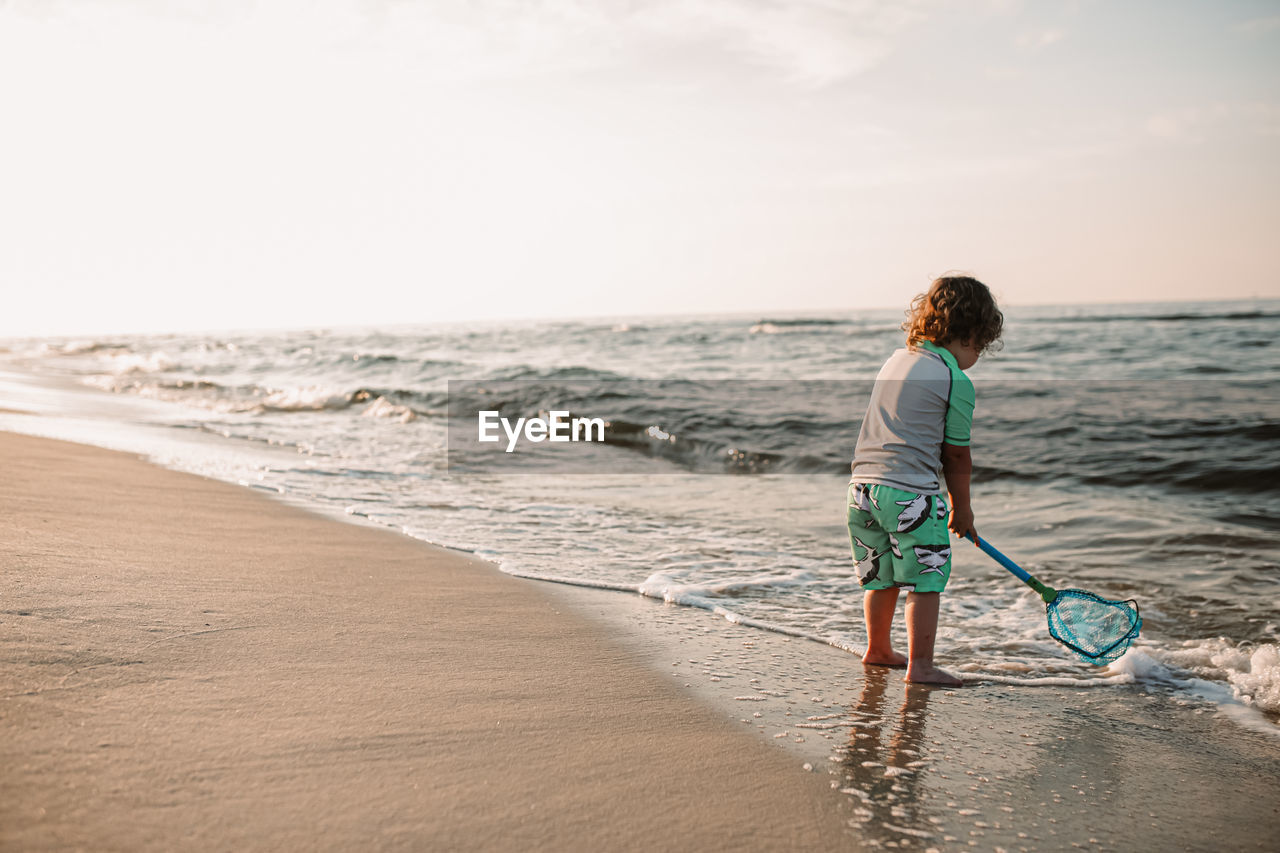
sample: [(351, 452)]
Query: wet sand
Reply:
[(190, 664), (987, 766)]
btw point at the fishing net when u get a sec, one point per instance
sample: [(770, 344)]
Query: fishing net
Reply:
[(1095, 628)]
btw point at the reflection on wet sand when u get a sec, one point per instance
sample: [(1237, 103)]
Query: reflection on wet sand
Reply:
[(885, 762)]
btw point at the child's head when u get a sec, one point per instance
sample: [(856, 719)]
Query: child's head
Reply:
[(955, 308)]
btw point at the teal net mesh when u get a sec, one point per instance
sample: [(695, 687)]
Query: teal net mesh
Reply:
[(1096, 629)]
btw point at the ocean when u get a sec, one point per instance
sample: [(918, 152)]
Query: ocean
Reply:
[(1129, 450)]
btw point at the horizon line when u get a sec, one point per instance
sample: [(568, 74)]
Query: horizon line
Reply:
[(761, 315)]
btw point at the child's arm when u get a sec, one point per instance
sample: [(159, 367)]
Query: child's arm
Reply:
[(957, 465)]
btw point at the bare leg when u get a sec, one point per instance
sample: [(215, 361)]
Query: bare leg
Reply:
[(922, 629), (878, 606)]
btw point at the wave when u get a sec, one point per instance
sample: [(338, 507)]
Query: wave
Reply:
[(525, 372), (359, 362), (815, 325), (699, 596), (708, 455), (808, 321), (397, 403), (1174, 317), (1242, 478), (309, 399), (122, 362), (394, 403), (1252, 671), (44, 348)]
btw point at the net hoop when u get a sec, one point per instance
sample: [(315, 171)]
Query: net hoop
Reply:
[(1106, 654)]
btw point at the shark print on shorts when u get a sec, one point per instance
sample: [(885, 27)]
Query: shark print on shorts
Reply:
[(863, 499), (932, 558), (914, 513), (868, 567)]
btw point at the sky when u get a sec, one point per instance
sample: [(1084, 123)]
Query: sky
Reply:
[(175, 165)]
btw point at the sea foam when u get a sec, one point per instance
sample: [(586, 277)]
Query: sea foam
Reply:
[(1252, 671)]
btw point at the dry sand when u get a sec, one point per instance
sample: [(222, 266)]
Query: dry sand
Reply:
[(190, 664)]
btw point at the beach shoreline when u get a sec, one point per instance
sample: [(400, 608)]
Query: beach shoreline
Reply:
[(185, 646), (189, 663), (1129, 767)]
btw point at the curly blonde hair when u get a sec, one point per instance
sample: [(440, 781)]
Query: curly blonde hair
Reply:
[(955, 308)]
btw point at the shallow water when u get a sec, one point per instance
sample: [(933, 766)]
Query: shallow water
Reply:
[(1127, 450), (1142, 765)]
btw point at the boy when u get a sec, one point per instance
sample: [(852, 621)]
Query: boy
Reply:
[(915, 432)]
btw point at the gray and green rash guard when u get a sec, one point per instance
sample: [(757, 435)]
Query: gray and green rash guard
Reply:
[(921, 399)]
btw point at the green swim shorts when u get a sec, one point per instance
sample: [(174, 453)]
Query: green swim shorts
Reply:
[(899, 538)]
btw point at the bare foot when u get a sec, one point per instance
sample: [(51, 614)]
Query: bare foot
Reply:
[(918, 673), (889, 658)]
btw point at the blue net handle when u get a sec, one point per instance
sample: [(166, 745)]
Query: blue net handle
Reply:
[(1047, 593)]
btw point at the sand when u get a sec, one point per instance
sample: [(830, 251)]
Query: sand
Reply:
[(989, 766), (190, 664)]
